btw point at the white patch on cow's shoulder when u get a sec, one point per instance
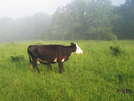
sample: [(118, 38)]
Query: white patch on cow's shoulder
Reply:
[(55, 60), (78, 50)]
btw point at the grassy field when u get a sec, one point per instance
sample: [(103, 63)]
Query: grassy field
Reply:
[(96, 75)]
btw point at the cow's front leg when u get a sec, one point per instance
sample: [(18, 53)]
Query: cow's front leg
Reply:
[(61, 67)]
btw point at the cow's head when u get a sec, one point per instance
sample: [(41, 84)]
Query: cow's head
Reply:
[(77, 49)]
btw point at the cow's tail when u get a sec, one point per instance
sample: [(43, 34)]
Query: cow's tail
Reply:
[(30, 59)]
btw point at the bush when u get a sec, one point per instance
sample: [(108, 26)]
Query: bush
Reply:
[(116, 50), (17, 58)]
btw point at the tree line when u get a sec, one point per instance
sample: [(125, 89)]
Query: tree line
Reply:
[(78, 20)]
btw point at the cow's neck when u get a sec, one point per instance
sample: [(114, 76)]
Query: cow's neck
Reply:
[(69, 50)]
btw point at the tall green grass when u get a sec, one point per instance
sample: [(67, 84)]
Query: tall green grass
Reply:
[(96, 75)]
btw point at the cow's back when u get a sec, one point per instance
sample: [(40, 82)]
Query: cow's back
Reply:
[(49, 53)]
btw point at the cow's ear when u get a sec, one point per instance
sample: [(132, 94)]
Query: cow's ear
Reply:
[(72, 44)]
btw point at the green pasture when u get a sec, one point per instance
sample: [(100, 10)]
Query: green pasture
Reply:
[(96, 75)]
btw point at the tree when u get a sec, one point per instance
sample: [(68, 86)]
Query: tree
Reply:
[(129, 3), (99, 15), (59, 23), (81, 18), (5, 28), (24, 28), (40, 25), (123, 26), (77, 9)]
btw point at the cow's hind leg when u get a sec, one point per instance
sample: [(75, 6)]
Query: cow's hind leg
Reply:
[(35, 64), (50, 66), (38, 69), (32, 65)]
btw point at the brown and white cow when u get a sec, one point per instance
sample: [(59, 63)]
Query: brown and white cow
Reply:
[(48, 54)]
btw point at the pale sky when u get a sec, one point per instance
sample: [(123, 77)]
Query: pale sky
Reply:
[(22, 8), (118, 2)]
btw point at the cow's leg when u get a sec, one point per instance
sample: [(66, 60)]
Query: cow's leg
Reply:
[(37, 69), (32, 65), (61, 66), (48, 66), (35, 63)]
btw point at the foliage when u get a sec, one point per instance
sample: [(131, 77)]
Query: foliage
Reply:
[(83, 16), (124, 23), (116, 50), (24, 28), (107, 37), (17, 58)]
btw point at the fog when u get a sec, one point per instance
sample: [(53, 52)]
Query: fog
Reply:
[(22, 8), (74, 20)]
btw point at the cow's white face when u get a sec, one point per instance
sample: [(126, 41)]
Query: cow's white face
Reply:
[(78, 50)]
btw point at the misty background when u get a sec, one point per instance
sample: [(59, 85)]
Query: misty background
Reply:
[(68, 20)]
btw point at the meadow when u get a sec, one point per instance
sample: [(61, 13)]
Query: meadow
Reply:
[(96, 75)]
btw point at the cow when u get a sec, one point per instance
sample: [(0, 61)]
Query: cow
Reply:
[(30, 50), (49, 54)]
